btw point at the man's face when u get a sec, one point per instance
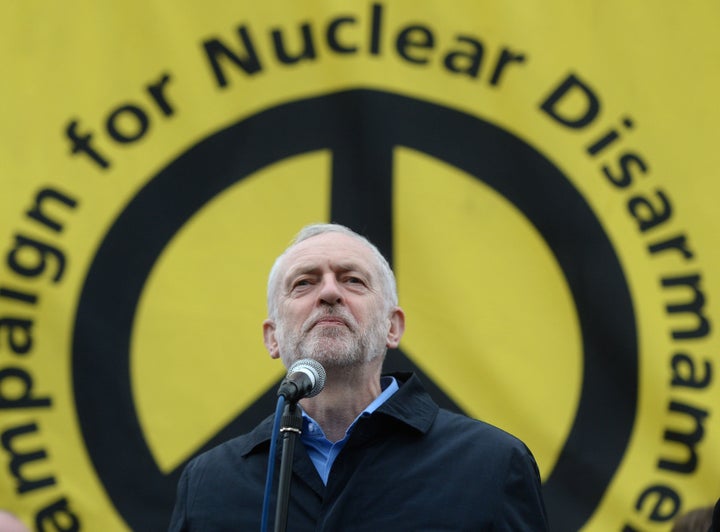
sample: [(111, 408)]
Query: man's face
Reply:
[(330, 305)]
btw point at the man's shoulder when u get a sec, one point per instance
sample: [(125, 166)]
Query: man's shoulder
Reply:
[(233, 450), (446, 423), (481, 434)]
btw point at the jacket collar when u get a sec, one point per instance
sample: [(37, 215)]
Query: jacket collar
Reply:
[(411, 404)]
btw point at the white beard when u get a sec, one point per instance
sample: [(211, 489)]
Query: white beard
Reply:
[(334, 346)]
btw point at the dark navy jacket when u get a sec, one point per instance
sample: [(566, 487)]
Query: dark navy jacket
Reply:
[(408, 466)]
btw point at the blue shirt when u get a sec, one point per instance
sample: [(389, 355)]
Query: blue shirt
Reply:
[(322, 451)]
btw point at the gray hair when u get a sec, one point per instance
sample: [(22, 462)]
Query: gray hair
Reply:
[(388, 284)]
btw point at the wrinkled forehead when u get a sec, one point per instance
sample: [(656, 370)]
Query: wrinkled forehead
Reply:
[(335, 250)]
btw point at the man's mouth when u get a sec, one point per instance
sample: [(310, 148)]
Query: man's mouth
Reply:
[(329, 321)]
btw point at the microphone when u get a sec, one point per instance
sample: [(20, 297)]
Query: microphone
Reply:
[(305, 378)]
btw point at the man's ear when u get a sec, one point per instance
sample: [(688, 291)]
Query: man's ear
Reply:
[(269, 338), (397, 328)]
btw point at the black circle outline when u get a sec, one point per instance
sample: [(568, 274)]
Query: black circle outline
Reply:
[(101, 345)]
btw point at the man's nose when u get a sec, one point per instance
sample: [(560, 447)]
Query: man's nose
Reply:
[(330, 291)]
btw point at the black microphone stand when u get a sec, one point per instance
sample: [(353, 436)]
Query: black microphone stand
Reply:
[(290, 430)]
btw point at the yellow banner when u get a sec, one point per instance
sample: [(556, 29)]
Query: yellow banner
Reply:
[(542, 177)]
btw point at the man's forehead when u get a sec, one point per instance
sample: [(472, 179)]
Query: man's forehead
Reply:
[(342, 250)]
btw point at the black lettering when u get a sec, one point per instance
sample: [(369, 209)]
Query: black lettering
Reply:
[(136, 115), (57, 517), (689, 440), (466, 62), (646, 214), (81, 144), (685, 372), (23, 297), (572, 88), (678, 243), (695, 306), (414, 37), (664, 501), (609, 138), (332, 36), (157, 92), (19, 460), (627, 161), (23, 399), (375, 29), (246, 59), (307, 51), (37, 213), (19, 335), (600, 145), (29, 258), (506, 59)]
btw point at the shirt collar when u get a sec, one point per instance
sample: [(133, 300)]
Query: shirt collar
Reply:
[(388, 384)]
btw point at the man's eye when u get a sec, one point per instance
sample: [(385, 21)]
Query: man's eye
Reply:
[(354, 280)]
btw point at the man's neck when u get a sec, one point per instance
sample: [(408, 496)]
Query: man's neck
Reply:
[(347, 392)]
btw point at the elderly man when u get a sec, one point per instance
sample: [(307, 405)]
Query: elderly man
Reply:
[(377, 453)]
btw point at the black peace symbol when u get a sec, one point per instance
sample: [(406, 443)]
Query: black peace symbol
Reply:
[(361, 127)]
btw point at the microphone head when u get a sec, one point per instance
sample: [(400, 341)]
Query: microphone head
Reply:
[(314, 370)]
